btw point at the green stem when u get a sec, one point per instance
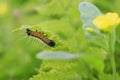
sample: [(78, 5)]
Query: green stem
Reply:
[(112, 38), (113, 65)]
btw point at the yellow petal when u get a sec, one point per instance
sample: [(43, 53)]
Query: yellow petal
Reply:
[(90, 30), (107, 22)]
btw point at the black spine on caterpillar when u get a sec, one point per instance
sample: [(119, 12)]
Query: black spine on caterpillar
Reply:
[(40, 36)]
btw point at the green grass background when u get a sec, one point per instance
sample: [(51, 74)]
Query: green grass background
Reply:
[(61, 17)]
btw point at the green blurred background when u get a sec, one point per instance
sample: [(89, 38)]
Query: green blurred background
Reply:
[(17, 58)]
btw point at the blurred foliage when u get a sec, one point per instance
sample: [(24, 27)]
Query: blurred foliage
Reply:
[(61, 17)]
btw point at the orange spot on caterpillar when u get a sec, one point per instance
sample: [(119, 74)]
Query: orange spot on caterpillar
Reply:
[(40, 36)]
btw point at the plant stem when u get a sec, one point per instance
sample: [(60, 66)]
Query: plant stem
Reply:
[(113, 65), (112, 39)]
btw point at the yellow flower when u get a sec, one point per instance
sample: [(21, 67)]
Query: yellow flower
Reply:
[(90, 30), (107, 22), (3, 9)]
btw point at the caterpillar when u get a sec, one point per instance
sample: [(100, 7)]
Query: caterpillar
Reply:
[(40, 36)]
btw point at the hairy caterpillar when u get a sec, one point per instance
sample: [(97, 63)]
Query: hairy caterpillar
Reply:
[(40, 36)]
